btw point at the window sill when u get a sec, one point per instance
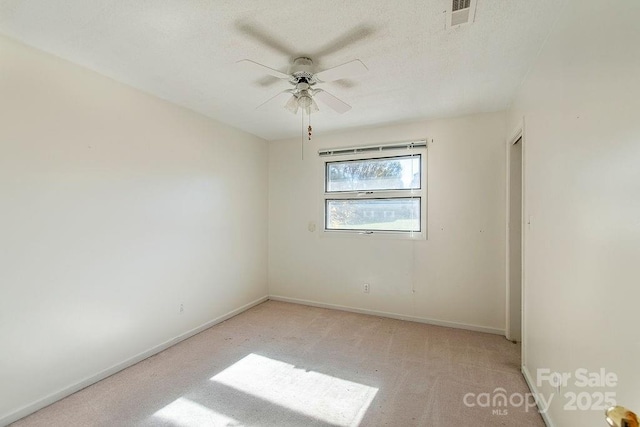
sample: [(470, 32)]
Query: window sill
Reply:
[(388, 235)]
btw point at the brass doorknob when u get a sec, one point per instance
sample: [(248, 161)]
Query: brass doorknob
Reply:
[(619, 416)]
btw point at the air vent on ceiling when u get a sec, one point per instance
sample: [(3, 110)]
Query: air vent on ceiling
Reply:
[(461, 12), (460, 4)]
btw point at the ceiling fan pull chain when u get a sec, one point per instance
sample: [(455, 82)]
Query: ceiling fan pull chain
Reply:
[(310, 129), (302, 134)]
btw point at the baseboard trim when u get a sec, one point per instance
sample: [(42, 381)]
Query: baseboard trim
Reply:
[(67, 391), (390, 315), (536, 394)]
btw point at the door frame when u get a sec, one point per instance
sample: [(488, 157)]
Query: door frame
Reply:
[(517, 134)]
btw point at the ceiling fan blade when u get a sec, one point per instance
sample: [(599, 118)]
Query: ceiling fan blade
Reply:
[(256, 66), (345, 83), (331, 101), (350, 69), (292, 104), (350, 37), (267, 81), (265, 38), (278, 96)]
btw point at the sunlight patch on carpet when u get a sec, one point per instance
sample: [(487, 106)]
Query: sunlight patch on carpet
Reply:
[(320, 396), (186, 413)]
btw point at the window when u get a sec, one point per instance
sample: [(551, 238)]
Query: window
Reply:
[(376, 190)]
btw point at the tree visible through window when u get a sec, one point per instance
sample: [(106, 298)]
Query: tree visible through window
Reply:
[(379, 194)]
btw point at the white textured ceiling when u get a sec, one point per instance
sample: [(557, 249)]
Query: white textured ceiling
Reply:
[(185, 51)]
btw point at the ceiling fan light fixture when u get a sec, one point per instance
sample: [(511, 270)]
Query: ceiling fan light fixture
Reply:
[(304, 100), (313, 108), (292, 104), (309, 106)]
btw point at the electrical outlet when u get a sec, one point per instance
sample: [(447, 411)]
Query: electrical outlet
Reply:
[(365, 288), (181, 308)]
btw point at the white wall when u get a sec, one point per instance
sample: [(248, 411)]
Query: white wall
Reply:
[(458, 273), (580, 105), (115, 207)]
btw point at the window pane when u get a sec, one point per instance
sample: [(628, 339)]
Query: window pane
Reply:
[(398, 214), (391, 173)]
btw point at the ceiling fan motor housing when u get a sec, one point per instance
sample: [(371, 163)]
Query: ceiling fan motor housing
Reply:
[(302, 71)]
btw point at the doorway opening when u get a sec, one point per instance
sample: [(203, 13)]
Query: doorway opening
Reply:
[(514, 241)]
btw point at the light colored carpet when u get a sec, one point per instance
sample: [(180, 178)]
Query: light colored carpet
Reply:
[(281, 364)]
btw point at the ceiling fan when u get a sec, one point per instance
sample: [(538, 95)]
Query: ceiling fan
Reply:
[(304, 78)]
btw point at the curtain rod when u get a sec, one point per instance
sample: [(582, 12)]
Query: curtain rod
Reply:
[(370, 148)]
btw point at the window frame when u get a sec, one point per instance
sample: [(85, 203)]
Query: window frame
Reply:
[(356, 155)]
